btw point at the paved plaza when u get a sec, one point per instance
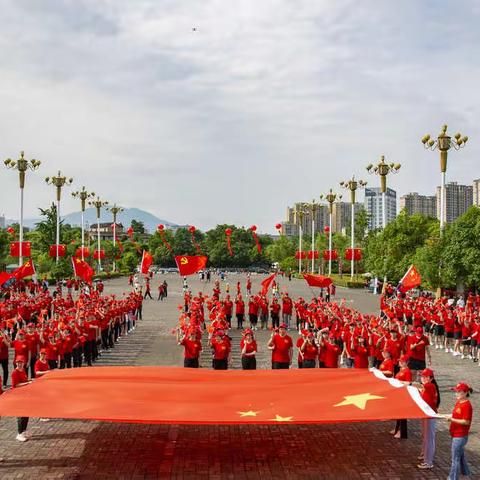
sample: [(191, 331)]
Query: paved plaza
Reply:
[(61, 449)]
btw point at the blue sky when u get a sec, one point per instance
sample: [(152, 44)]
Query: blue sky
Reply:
[(266, 103)]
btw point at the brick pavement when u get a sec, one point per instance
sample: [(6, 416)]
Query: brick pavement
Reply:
[(71, 450)]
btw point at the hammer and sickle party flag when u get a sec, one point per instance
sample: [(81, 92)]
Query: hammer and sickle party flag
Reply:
[(188, 265), (411, 279)]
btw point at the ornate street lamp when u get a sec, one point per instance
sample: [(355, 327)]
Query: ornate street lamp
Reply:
[(83, 195), (22, 165), (313, 206), (58, 182), (353, 185), (444, 143), (115, 210), (299, 213), (98, 204), (330, 197)]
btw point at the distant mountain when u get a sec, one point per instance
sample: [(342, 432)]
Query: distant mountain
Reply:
[(149, 220)]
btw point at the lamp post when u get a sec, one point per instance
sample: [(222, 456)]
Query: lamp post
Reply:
[(383, 169), (58, 182), (330, 197), (444, 143), (83, 195), (22, 165), (313, 209), (115, 210), (98, 204), (353, 185), (299, 214)]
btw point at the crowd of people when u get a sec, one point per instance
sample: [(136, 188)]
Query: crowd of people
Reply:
[(42, 329), (332, 334)]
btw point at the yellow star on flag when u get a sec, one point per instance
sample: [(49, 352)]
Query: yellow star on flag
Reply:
[(250, 413), (359, 400), (278, 418)]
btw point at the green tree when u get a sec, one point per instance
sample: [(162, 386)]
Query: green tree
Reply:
[(138, 226)]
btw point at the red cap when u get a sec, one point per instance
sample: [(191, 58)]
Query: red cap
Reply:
[(304, 331), (427, 373), (21, 332), (403, 358), (283, 325), (42, 350), (20, 358), (462, 387), (419, 330)]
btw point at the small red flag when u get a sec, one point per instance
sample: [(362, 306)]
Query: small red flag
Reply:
[(317, 280), (25, 270), (188, 265), (15, 249), (411, 279), (82, 269), (267, 282), (147, 261), (62, 250)]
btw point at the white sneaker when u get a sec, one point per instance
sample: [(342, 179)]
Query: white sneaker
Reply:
[(21, 437), (436, 347), (456, 354), (463, 357)]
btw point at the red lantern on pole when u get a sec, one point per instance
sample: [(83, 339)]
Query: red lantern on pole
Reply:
[(130, 232), (228, 233), (253, 229), (326, 228), (11, 231), (160, 227)]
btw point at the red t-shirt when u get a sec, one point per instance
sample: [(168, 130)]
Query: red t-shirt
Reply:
[(404, 375), (41, 366), (287, 306), (387, 367), (239, 307), (360, 360), (281, 348), (418, 351), (18, 376), (192, 348), (250, 347), (429, 395), (461, 410), (221, 349), (310, 351), (332, 352), (21, 348)]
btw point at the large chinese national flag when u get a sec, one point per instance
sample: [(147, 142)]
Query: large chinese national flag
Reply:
[(317, 280), (25, 270), (200, 396), (188, 265), (82, 269), (147, 261), (411, 279)]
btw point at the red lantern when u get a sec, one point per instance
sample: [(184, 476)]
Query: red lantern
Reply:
[(130, 232), (11, 230), (228, 232), (278, 226), (330, 255), (326, 228), (191, 229), (15, 249), (99, 254), (253, 228), (52, 252), (161, 227)]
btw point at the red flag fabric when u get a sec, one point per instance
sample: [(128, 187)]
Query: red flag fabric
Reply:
[(82, 269), (99, 254), (25, 270), (317, 280), (327, 254), (147, 261), (188, 265), (86, 252), (267, 282), (62, 250), (199, 396), (357, 254), (312, 254), (5, 277), (301, 255), (15, 249), (411, 279)]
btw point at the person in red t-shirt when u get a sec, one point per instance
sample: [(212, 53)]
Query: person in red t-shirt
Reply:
[(387, 367), (430, 395), (192, 348), (360, 353), (228, 307), (418, 350), (281, 346), (404, 375), (221, 349), (287, 309), (239, 311), (309, 350), (248, 348), (20, 379), (275, 313), (460, 423), (300, 341), (41, 365), (20, 346)]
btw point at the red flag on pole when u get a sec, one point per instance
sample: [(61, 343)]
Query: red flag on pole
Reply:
[(411, 279), (267, 282), (147, 261), (62, 250), (15, 249), (188, 265), (317, 280), (82, 269), (5, 277), (25, 270)]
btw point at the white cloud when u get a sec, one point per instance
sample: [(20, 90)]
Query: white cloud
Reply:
[(265, 104)]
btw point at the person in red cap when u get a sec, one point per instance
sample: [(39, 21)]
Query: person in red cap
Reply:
[(418, 350), (41, 365), (300, 341), (192, 347), (20, 379), (460, 422), (331, 348), (387, 367), (404, 375), (239, 311), (281, 346), (309, 350), (248, 347), (431, 396)]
